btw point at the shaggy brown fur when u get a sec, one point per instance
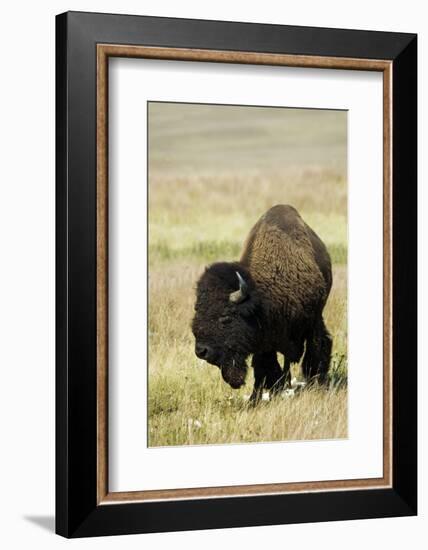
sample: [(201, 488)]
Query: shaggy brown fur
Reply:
[(285, 279)]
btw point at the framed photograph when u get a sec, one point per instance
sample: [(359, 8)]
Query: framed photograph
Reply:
[(236, 274)]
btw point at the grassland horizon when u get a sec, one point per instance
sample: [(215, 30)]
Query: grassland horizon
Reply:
[(213, 171)]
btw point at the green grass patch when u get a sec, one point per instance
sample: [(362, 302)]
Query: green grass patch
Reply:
[(212, 251), (208, 251)]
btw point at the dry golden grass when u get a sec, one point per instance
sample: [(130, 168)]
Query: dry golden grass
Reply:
[(201, 207), (315, 414)]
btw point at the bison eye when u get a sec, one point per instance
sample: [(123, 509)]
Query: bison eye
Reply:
[(225, 320)]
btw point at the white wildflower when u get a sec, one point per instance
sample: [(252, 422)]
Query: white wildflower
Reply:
[(296, 385), (194, 423)]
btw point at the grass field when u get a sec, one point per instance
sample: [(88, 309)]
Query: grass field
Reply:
[(213, 171)]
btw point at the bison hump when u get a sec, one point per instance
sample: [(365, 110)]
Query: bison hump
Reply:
[(288, 261)]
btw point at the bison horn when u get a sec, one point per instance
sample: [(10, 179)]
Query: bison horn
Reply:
[(239, 295)]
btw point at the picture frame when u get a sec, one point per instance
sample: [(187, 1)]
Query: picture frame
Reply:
[(84, 44)]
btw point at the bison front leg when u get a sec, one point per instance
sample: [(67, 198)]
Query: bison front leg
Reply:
[(267, 374), (318, 353)]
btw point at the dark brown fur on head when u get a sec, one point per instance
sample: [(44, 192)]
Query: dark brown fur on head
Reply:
[(226, 331)]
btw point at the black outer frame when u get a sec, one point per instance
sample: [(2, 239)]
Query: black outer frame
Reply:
[(77, 513)]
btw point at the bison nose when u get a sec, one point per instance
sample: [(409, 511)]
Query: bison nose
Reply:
[(202, 351)]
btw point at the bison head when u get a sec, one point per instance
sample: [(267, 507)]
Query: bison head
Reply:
[(227, 319)]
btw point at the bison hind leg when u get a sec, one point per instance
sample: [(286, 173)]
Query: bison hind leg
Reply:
[(316, 361), (294, 353)]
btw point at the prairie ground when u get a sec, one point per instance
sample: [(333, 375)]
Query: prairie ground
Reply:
[(213, 171)]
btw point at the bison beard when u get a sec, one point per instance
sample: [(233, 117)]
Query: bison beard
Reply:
[(269, 302), (234, 373)]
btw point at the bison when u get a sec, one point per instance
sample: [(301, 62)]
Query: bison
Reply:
[(270, 301)]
